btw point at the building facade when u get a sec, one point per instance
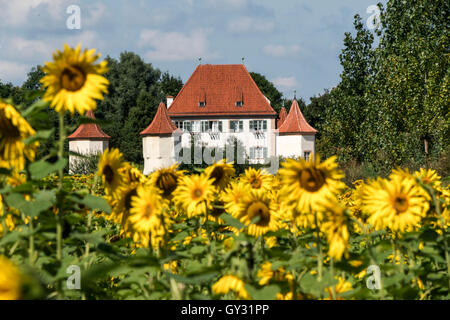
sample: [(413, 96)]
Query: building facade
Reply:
[(220, 104), (87, 139)]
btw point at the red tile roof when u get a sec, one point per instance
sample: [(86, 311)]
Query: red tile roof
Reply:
[(282, 117), (220, 86), (295, 122), (161, 123), (89, 131)]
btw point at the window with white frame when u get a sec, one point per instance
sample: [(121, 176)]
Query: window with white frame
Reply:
[(179, 124), (236, 126), (258, 152), (184, 125), (306, 154), (211, 126), (258, 125)]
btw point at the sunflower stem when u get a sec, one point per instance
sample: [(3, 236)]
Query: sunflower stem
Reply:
[(333, 288), (3, 215), (62, 138), (373, 260), (444, 234), (31, 242), (319, 247)]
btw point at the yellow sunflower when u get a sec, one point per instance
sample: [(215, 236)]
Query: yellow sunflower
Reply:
[(398, 203), (221, 173), (146, 210), (257, 179), (73, 80), (109, 168), (266, 274), (341, 287), (121, 205), (231, 283), (166, 180), (306, 182), (335, 228), (429, 177), (8, 222), (131, 174), (10, 280), (13, 131), (195, 194), (259, 213), (233, 196)]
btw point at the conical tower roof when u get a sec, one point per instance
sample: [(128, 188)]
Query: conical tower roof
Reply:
[(295, 122), (88, 131), (161, 123), (283, 116)]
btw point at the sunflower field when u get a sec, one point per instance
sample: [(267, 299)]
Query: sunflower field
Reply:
[(211, 234)]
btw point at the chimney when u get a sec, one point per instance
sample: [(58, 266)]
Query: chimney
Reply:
[(169, 101)]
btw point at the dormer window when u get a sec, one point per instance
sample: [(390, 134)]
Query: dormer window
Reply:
[(238, 97), (202, 98)]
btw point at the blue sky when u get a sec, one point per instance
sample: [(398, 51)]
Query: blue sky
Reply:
[(294, 43)]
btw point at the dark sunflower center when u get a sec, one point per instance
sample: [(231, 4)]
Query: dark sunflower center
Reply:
[(148, 211), (218, 174), (401, 203), (256, 183), (259, 209), (127, 201), (108, 172), (197, 193), (72, 78), (7, 129), (167, 183), (312, 179), (217, 212)]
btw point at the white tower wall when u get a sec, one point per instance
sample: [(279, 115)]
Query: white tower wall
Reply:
[(159, 152), (85, 147)]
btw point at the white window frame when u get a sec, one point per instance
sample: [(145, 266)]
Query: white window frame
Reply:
[(258, 125), (239, 127), (257, 153)]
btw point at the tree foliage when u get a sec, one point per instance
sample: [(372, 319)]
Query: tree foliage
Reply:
[(391, 105), (269, 90)]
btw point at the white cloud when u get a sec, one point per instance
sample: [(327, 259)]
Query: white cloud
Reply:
[(281, 50), (175, 46), (88, 39), (16, 12), (285, 82), (250, 24), (93, 14), (13, 71), (26, 49)]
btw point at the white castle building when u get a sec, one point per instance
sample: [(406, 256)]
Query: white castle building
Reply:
[(87, 139), (217, 103)]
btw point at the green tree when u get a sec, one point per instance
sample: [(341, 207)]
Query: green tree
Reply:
[(134, 95), (347, 110), (170, 85), (33, 79), (315, 111), (269, 90)]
